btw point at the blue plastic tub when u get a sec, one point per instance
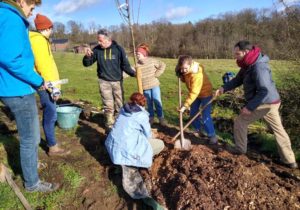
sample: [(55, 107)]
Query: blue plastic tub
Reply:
[(67, 116)]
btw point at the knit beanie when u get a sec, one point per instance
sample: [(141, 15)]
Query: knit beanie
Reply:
[(42, 22), (143, 51)]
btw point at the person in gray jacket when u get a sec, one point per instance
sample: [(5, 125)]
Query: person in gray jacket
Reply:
[(262, 100)]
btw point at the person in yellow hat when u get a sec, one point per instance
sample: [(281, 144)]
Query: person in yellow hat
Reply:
[(45, 65)]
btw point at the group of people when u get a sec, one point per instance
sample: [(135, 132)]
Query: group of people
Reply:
[(27, 66)]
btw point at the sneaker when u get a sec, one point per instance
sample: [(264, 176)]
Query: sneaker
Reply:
[(44, 187), (57, 151), (162, 121), (291, 165), (233, 150), (213, 140)]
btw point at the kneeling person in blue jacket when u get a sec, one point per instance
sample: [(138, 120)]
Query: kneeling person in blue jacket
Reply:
[(130, 141)]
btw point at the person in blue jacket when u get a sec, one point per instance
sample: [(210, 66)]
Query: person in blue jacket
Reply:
[(18, 82), (130, 141)]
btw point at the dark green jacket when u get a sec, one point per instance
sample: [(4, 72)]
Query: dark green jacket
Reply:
[(111, 62)]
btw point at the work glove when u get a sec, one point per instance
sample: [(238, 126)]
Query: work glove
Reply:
[(55, 94), (182, 109)]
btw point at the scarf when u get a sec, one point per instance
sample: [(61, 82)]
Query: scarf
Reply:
[(249, 59)]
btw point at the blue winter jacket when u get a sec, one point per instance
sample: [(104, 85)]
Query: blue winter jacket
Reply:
[(17, 75), (127, 143), (259, 88)]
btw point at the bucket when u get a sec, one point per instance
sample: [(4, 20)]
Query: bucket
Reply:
[(67, 116)]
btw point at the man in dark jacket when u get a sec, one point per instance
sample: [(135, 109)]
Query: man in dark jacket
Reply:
[(111, 62), (262, 98)]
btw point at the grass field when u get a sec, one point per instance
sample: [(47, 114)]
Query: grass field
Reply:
[(83, 82)]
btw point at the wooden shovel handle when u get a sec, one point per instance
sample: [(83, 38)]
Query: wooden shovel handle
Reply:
[(192, 120)]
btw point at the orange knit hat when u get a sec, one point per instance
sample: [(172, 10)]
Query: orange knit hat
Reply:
[(42, 22)]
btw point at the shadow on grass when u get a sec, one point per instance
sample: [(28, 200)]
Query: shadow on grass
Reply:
[(92, 137)]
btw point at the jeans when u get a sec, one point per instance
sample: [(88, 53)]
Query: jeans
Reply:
[(25, 112), (153, 96), (204, 118), (49, 117)]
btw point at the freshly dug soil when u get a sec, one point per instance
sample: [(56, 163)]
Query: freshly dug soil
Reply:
[(206, 178)]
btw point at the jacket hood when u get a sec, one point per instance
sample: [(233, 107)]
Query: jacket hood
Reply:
[(263, 59), (14, 7), (132, 108)]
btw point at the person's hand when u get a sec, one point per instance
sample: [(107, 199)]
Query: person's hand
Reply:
[(88, 52), (219, 92), (245, 111), (44, 86), (182, 109)]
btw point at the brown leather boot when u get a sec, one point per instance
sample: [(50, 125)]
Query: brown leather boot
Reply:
[(57, 151)]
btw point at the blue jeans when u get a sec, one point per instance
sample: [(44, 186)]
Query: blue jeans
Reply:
[(49, 117), (205, 118), (25, 112), (153, 96)]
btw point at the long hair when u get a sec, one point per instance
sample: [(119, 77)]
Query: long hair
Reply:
[(182, 59)]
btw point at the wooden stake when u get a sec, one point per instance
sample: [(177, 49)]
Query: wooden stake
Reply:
[(7, 176)]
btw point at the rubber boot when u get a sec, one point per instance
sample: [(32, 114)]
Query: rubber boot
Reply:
[(109, 122)]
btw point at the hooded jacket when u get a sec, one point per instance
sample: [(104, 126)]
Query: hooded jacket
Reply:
[(43, 59), (197, 83), (259, 88), (111, 62), (17, 75), (128, 142)]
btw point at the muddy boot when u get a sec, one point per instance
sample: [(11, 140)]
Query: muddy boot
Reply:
[(213, 140), (151, 120), (109, 122), (162, 121), (57, 151)]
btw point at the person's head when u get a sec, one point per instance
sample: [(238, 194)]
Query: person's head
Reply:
[(142, 51), (104, 38), (43, 24), (138, 99), (241, 49), (183, 65), (28, 6)]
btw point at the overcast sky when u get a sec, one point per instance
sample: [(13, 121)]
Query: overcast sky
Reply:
[(105, 13)]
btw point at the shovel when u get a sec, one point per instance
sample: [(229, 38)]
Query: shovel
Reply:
[(192, 120), (183, 143)]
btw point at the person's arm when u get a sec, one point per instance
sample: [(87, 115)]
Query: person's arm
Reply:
[(12, 54), (90, 57), (196, 86), (160, 68), (263, 80), (146, 126), (125, 65)]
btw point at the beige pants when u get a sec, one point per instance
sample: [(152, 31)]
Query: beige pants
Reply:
[(270, 113), (112, 99)]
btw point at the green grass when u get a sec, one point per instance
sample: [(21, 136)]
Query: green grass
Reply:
[(83, 82), (71, 176)]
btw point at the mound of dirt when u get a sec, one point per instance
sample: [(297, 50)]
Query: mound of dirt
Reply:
[(204, 179)]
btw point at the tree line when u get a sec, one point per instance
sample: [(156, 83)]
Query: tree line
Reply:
[(276, 32)]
